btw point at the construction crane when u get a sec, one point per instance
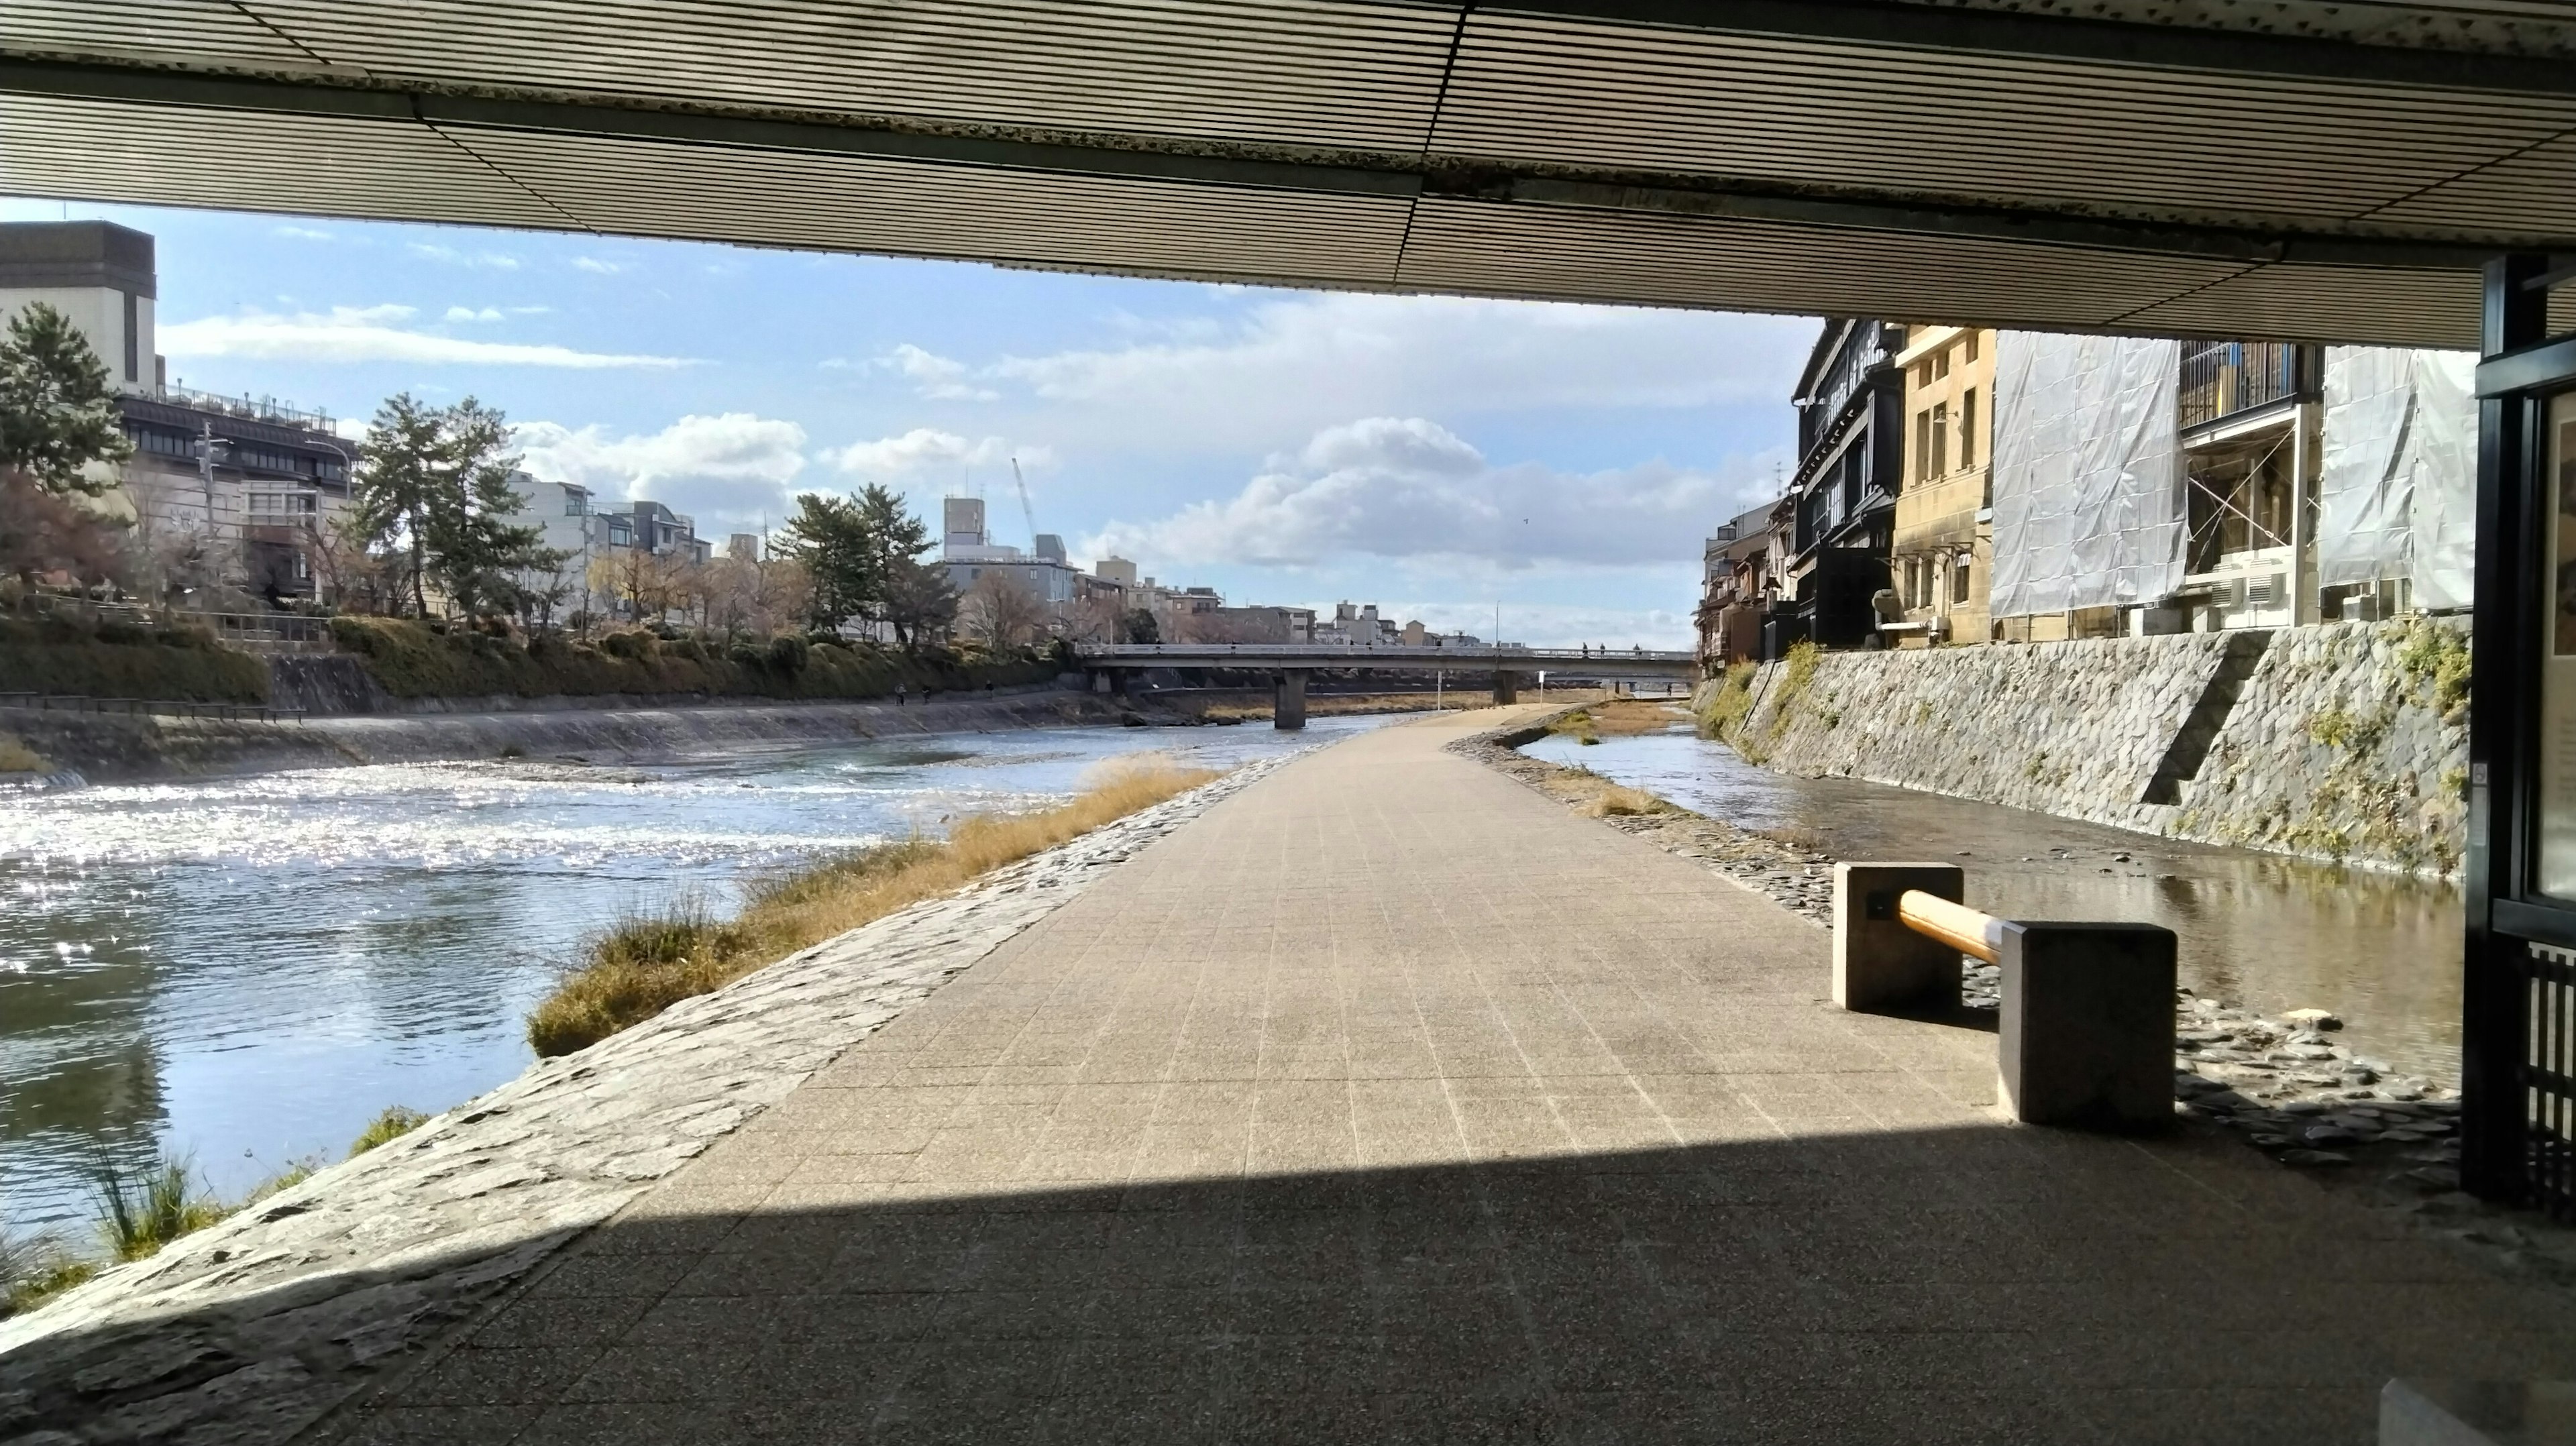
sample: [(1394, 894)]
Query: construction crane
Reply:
[(1028, 514)]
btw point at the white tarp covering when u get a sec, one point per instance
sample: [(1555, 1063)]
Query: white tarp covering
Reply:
[(2088, 472), (2397, 488)]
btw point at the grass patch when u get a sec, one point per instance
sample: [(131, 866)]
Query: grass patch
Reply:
[(648, 963), (138, 1214), (392, 1125), (17, 757), (34, 1270)]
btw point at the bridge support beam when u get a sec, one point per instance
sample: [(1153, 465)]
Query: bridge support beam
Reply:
[(1507, 686), (1288, 701)]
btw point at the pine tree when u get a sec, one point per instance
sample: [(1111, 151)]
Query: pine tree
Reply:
[(57, 410), (433, 488)]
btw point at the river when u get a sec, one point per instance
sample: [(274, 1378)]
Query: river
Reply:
[(244, 971), (2261, 930)]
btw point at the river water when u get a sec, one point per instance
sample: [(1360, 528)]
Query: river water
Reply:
[(2259, 930), (245, 971)]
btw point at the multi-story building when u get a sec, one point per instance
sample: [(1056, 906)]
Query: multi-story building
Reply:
[(223, 493), (1851, 408), (968, 551), (1942, 545), (1743, 568), (2146, 486)]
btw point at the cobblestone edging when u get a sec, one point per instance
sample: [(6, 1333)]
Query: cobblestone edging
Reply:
[(248, 1331), (2345, 741)]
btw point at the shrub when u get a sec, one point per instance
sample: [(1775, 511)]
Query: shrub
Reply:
[(636, 644), (788, 654)]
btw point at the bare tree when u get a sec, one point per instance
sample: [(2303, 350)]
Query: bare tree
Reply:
[(1002, 611)]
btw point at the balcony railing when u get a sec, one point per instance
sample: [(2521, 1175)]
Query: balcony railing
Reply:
[(256, 409), (2223, 378)]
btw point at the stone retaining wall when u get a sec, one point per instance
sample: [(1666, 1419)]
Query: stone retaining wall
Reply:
[(2346, 741)]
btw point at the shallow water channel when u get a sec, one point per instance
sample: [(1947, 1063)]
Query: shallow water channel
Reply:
[(245, 971), (2259, 930)]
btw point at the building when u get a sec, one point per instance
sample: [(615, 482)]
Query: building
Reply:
[(1743, 573), (1356, 627), (1941, 547), (2149, 486), (967, 550), (224, 494), (1842, 497)]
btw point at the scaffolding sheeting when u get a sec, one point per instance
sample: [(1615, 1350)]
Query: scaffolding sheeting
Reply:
[(2087, 472), (2397, 488)]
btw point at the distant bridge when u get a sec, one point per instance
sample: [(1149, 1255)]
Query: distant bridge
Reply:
[(1290, 663)]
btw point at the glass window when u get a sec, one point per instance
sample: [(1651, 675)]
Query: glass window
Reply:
[(1922, 445), (1972, 346), (1968, 427), (1940, 363), (2555, 868), (1940, 438), (1959, 577)]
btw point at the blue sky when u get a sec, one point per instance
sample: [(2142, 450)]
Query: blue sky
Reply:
[(1434, 455)]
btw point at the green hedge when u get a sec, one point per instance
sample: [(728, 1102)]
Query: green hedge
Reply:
[(411, 660), (120, 661)]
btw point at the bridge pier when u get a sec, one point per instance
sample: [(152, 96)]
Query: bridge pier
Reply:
[(1507, 686), (1288, 701)]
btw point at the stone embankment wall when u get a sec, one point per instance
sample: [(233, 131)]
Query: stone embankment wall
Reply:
[(111, 747), (2346, 741)]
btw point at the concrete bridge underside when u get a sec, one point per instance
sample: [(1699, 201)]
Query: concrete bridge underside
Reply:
[(2299, 169)]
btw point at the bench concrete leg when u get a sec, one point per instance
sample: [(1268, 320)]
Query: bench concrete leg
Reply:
[(1877, 961), (2477, 1413), (2088, 1025)]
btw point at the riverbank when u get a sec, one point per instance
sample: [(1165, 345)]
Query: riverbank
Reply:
[(253, 1328), (116, 748), (2345, 742)]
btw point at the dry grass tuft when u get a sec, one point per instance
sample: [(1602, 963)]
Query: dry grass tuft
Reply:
[(17, 757), (1618, 800), (648, 963)]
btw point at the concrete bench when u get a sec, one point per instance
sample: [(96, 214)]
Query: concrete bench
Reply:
[(2477, 1413), (2086, 1030)]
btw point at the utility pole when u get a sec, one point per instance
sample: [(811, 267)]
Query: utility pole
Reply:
[(207, 446)]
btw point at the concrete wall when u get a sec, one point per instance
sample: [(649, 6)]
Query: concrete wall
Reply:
[(2346, 741)]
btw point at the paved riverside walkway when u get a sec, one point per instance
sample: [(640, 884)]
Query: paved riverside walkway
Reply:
[(1390, 1101)]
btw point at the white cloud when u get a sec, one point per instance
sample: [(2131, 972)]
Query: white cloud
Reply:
[(935, 377), (302, 233), (926, 454), (468, 313), (450, 256), (1292, 365), (728, 470), (1409, 489), (371, 334), (595, 266)]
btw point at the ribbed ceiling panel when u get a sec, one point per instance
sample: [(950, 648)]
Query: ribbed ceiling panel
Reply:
[(2327, 303), (197, 29), (1972, 127), (852, 203), (253, 162), (1303, 73), (1766, 266), (2534, 191)]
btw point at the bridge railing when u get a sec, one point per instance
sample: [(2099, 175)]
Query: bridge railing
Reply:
[(1396, 652)]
